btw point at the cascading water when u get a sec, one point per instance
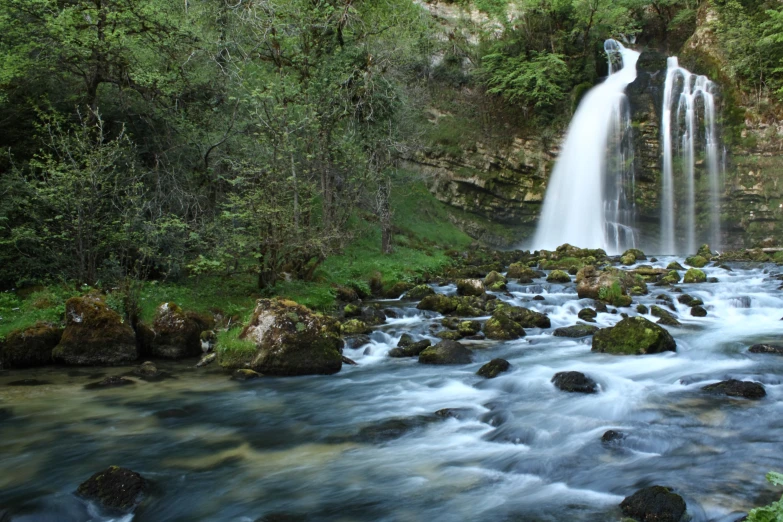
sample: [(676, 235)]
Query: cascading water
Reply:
[(688, 104), (589, 200)]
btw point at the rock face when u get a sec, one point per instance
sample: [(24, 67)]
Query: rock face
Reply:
[(30, 347), (494, 368), (292, 340), (633, 336), (176, 334), (446, 352), (94, 335), (576, 331), (735, 388), (654, 504), (114, 488), (574, 382)]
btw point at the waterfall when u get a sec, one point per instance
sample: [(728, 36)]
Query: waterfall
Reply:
[(684, 95), (589, 200)]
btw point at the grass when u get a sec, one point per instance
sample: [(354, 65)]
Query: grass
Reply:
[(231, 350), (45, 304)]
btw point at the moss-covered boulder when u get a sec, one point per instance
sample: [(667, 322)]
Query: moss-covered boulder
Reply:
[(654, 504), (494, 277), (672, 277), (451, 335), (526, 317), (30, 347), (409, 348), (177, 334), (501, 327), (674, 265), (576, 331), (705, 252), (523, 273), (373, 315), (446, 352), (627, 259), (696, 261), (587, 314), (633, 336), (694, 275), (698, 311), (290, 339), (468, 328), (493, 368), (352, 310), (470, 287), (558, 276), (94, 335), (637, 254), (439, 303), (613, 286), (398, 289), (419, 292), (115, 488), (664, 316), (354, 327)]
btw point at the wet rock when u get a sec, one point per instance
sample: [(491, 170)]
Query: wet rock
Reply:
[(29, 382), (558, 276), (352, 310), (30, 347), (206, 360), (412, 349), (349, 361), (600, 307), (674, 265), (627, 259), (446, 352), (405, 340), (775, 349), (636, 253), (355, 327), (735, 388), (468, 328), (654, 504), (494, 277), (664, 317), (372, 315), (698, 311), (705, 252), (113, 381), (290, 340), (393, 428), (522, 273), (243, 374), (470, 287), (451, 335), (391, 313), (438, 303), (454, 413), (689, 300), (613, 286), (612, 436), (493, 368), (641, 309), (501, 327), (633, 336), (95, 335), (576, 331), (587, 314), (696, 261), (539, 298), (115, 488), (398, 289), (694, 275), (525, 317), (671, 278), (177, 334), (574, 382), (147, 369), (419, 292), (356, 341)]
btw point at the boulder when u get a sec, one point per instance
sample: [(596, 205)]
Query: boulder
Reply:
[(612, 436), (587, 314), (627, 259), (735, 388), (30, 347), (94, 335), (468, 328), (523, 273), (354, 327), (664, 317), (177, 335), (698, 311), (115, 488), (694, 275), (671, 278), (633, 336), (636, 253), (352, 310), (775, 349), (356, 341), (438, 303), (674, 265), (290, 339), (654, 504), (398, 289), (494, 277), (558, 276), (446, 352), (641, 309), (412, 349), (613, 286), (501, 327), (451, 335), (526, 317), (372, 315), (576, 331), (493, 368), (147, 369), (470, 287), (574, 382), (688, 300), (696, 261), (419, 292)]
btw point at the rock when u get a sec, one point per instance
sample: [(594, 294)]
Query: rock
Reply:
[(109, 382), (393, 428), (419, 292), (177, 335), (349, 361), (576, 331), (641, 309), (574, 382), (405, 340), (698, 311), (776, 349), (688, 300), (627, 259), (633, 336), (735, 388), (601, 307), (494, 277), (346, 294), (438, 303), (696, 261), (501, 327), (611, 436), (352, 310), (410, 350), (243, 374), (558, 276), (498, 286), (206, 360), (470, 287), (451, 335), (354, 327), (30, 347), (539, 298), (373, 316), (29, 382), (468, 328), (144, 338), (671, 278), (636, 253), (391, 312), (694, 275), (446, 352), (713, 280), (356, 341), (612, 285), (398, 289), (587, 314), (147, 369), (291, 340), (521, 272), (94, 335), (665, 318), (705, 252), (526, 317), (493, 368), (674, 265), (208, 340), (114, 488), (654, 504)]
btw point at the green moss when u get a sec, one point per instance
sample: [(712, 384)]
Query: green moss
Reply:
[(633, 336), (501, 327), (558, 276), (233, 352), (696, 261), (694, 275)]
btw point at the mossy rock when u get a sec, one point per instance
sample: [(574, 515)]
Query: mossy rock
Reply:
[(574, 382), (446, 352), (633, 336), (694, 275), (354, 327), (115, 488), (674, 265), (612, 285), (641, 309), (664, 316), (177, 335), (493, 368), (30, 347), (628, 259), (636, 253), (671, 278), (450, 335), (587, 314), (498, 286), (94, 335), (576, 331), (412, 349), (438, 303), (352, 310), (705, 252), (419, 292), (696, 261), (521, 272), (470, 287), (398, 289), (558, 276), (468, 328), (698, 311), (290, 339), (494, 277), (501, 327), (526, 317), (654, 504)]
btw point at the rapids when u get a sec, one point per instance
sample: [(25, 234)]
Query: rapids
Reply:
[(519, 449)]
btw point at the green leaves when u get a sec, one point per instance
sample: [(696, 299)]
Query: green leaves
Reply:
[(537, 81), (772, 512)]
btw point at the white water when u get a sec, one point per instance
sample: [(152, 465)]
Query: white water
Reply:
[(576, 207), (688, 101)]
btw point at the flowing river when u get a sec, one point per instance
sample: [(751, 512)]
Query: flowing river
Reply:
[(364, 445)]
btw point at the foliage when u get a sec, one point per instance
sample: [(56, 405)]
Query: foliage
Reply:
[(772, 512), (536, 81)]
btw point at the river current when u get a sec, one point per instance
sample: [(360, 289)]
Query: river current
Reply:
[(514, 448)]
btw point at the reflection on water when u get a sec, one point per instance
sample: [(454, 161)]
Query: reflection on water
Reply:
[(365, 444)]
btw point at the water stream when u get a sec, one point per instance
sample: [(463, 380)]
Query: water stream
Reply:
[(517, 449)]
